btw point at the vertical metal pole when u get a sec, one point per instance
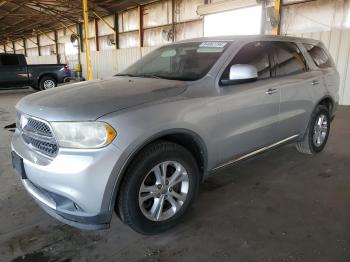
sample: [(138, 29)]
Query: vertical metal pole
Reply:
[(116, 30), (56, 47), (5, 48), (140, 16), (277, 15), (13, 47), (80, 33), (87, 44), (97, 42), (80, 44), (173, 6), (263, 18), (25, 47), (38, 44)]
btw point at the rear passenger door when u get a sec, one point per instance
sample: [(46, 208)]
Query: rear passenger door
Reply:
[(12, 71), (297, 85), (324, 63)]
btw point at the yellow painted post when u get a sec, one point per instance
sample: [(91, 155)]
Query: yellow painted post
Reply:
[(87, 44), (277, 16)]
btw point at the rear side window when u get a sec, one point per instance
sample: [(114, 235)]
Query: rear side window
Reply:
[(9, 60), (288, 59), (319, 55), (256, 54)]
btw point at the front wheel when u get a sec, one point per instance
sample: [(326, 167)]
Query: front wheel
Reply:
[(317, 133), (47, 82), (158, 188)]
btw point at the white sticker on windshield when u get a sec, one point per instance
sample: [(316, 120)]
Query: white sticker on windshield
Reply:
[(213, 44)]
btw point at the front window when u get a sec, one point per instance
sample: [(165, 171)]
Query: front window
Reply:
[(255, 54), (186, 61)]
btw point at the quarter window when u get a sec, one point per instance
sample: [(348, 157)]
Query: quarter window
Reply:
[(256, 54), (9, 60), (288, 60), (319, 55)]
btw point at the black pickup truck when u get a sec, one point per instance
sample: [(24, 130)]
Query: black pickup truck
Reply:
[(15, 73)]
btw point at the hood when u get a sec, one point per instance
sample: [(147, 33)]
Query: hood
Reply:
[(90, 100)]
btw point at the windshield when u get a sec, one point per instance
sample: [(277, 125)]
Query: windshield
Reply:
[(186, 61)]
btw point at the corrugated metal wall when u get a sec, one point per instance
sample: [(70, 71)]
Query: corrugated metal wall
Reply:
[(49, 59), (338, 43), (328, 21), (110, 62)]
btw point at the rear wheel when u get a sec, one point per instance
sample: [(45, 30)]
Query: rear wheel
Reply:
[(47, 82), (317, 133), (158, 188)]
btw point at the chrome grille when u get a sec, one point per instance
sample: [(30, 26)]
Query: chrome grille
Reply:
[(38, 127), (38, 135), (44, 147)]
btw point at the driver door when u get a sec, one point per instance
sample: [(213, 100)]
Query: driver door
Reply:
[(249, 110)]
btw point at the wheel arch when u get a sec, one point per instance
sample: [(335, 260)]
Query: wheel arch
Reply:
[(184, 137), (327, 101)]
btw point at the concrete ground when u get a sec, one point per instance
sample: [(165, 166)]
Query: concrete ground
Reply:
[(281, 206)]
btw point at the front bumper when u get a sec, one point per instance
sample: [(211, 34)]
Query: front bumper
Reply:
[(74, 187)]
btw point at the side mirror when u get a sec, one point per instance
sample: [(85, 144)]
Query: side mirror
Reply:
[(241, 73)]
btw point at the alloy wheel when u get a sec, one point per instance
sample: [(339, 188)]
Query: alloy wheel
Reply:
[(163, 191), (48, 84), (320, 130)]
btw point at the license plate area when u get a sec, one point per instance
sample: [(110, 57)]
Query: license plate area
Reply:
[(17, 164)]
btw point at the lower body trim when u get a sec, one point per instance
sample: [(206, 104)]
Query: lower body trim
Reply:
[(255, 152)]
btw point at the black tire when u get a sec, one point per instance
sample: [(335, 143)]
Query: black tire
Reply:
[(46, 79), (128, 201), (308, 145)]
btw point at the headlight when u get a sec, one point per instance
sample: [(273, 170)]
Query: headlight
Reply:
[(83, 135)]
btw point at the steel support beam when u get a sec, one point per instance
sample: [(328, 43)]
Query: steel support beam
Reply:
[(140, 22), (80, 32), (97, 42), (116, 30), (80, 41), (87, 44), (25, 47), (263, 18), (56, 47), (103, 20), (14, 47), (38, 43), (173, 6), (277, 16)]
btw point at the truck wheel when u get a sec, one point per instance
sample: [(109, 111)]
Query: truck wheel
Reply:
[(47, 82), (159, 187), (317, 133)]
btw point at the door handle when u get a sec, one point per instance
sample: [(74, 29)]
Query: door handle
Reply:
[(315, 82), (271, 91)]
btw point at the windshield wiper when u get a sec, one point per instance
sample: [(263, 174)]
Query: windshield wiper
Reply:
[(131, 75), (150, 76), (141, 75)]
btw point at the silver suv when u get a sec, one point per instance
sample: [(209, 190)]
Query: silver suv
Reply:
[(141, 142)]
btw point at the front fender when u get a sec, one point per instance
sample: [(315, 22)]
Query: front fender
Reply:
[(139, 127)]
